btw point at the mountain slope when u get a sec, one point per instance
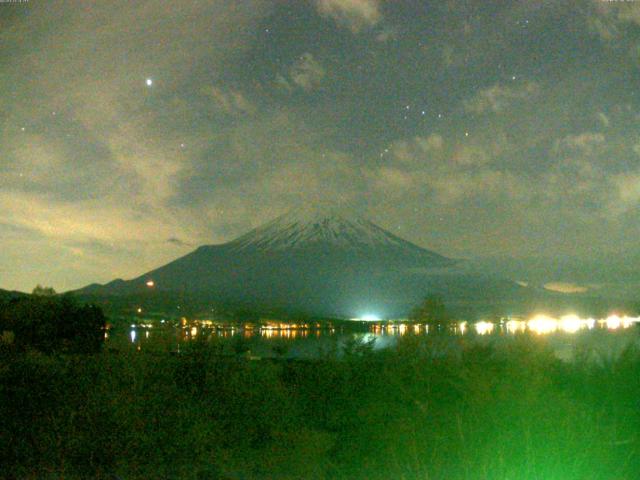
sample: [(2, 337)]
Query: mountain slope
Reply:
[(311, 261)]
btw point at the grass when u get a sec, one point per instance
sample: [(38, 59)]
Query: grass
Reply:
[(507, 412)]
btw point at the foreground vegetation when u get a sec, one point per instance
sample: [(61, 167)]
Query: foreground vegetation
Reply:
[(426, 409), (414, 412)]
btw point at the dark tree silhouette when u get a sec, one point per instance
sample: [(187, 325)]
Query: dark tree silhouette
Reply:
[(431, 310), (49, 323), (43, 291)]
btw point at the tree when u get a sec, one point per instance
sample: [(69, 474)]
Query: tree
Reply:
[(50, 324), (43, 291), (431, 311)]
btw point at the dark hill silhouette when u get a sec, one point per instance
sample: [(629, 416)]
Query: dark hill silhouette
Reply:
[(6, 295)]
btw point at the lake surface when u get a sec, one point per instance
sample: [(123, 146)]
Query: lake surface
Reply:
[(567, 336)]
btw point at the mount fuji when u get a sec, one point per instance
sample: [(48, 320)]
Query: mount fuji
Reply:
[(316, 261)]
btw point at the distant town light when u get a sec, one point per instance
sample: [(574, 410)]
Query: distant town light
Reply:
[(483, 328), (150, 283), (542, 324), (613, 322), (571, 323)]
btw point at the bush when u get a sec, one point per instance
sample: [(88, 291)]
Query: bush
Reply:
[(419, 411)]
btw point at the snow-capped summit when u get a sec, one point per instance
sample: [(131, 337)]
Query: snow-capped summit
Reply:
[(312, 226)]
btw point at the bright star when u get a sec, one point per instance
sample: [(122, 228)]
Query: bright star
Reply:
[(149, 82)]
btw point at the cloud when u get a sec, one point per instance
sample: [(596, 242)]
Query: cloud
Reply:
[(306, 72), (92, 154), (585, 143), (609, 19), (488, 183), (565, 287), (603, 119), (467, 155), (603, 26), (387, 33), (262, 166), (228, 100), (449, 174), (580, 170), (395, 178), (432, 143), (177, 242), (418, 150), (355, 15), (498, 98), (449, 57), (626, 192)]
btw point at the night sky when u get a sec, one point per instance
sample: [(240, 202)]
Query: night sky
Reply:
[(131, 132)]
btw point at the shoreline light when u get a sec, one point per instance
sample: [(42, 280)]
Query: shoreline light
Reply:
[(542, 324), (571, 323), (484, 328)]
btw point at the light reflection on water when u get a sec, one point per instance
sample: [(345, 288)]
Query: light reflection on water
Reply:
[(544, 324), (306, 340)]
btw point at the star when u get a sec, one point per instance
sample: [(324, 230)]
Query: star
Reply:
[(149, 82)]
